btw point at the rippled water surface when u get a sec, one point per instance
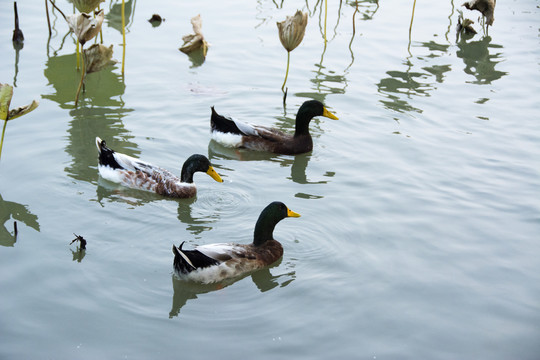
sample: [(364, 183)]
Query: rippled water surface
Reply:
[(419, 235)]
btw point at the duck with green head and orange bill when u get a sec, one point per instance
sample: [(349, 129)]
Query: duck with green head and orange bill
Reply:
[(216, 262), (233, 133), (134, 173)]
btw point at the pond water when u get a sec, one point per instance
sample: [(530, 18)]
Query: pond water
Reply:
[(419, 235)]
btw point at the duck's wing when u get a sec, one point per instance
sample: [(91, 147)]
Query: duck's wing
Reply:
[(116, 160), (228, 125), (223, 251)]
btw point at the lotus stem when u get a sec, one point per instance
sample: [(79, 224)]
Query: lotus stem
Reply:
[(2, 141), (123, 36), (48, 19), (77, 52), (410, 26), (287, 72), (100, 31), (83, 72)]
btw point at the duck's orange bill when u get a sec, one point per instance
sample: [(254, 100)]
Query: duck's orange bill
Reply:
[(328, 114), (214, 174), (291, 213)]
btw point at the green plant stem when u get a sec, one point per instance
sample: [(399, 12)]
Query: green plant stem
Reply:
[(83, 70), (410, 26), (287, 72), (2, 141)]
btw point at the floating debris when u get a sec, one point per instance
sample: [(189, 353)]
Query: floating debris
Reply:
[(155, 20), (15, 230), (195, 41), (81, 240)]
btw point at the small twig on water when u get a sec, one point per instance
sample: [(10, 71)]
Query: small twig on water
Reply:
[(15, 231), (81, 240)]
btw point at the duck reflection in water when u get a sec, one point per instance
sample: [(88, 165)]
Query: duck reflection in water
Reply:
[(263, 280), (298, 163), (196, 223)]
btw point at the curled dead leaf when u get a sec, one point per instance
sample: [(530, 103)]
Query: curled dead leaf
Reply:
[(85, 26), (195, 41), (98, 57)]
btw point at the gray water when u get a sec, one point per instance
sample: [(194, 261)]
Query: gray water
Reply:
[(420, 206)]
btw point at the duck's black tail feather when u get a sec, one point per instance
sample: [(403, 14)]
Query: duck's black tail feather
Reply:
[(222, 124), (186, 261), (106, 155)]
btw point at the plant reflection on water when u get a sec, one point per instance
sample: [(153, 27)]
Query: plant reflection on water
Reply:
[(12, 210)]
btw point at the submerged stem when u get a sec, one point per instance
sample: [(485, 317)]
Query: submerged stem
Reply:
[(287, 72)]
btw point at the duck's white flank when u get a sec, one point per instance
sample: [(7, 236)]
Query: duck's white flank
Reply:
[(227, 139), (232, 265)]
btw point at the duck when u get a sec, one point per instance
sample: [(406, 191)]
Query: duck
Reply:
[(216, 262), (233, 133), (486, 7), (134, 173)]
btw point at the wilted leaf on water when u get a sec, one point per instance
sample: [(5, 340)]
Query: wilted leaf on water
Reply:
[(23, 110), (6, 93), (86, 6), (292, 30), (98, 56), (486, 7), (84, 26), (464, 25), (195, 41)]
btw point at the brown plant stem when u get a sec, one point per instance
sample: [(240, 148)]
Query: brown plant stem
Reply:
[(56, 7), (83, 73), (48, 19)]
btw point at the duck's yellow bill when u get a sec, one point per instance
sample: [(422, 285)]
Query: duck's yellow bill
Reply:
[(328, 114), (214, 174), (291, 213)]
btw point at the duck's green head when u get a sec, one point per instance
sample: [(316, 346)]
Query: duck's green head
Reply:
[(196, 163), (308, 111), (270, 216)]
